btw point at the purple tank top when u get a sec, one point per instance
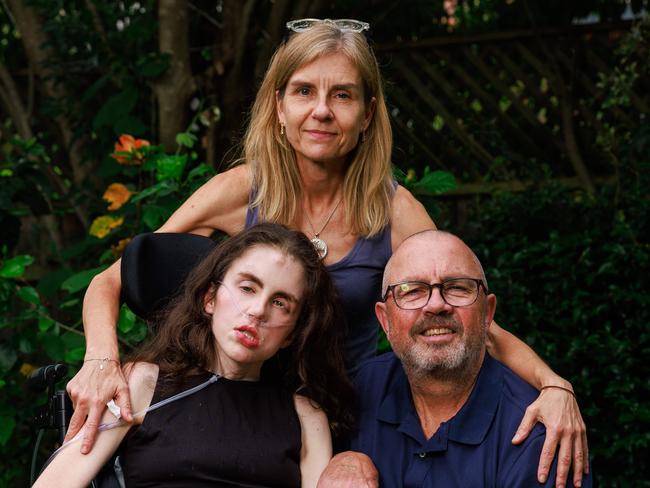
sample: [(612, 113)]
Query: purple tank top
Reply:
[(357, 278)]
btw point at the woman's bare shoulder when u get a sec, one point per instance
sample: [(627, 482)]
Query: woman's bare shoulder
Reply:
[(407, 216), (220, 204)]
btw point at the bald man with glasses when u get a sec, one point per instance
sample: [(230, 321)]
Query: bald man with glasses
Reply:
[(439, 411)]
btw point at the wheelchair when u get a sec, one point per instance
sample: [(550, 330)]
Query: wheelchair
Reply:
[(154, 266)]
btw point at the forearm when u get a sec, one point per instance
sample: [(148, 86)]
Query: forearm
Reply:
[(100, 314), (71, 469), (519, 357)]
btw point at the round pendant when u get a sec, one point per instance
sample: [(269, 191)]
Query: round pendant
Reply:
[(320, 246)]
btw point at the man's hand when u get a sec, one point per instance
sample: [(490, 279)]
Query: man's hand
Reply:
[(96, 383), (349, 469), (558, 411)]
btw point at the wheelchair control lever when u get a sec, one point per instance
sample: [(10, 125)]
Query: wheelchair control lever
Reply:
[(56, 413), (47, 375)]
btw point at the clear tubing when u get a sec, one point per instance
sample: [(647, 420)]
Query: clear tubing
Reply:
[(118, 422)]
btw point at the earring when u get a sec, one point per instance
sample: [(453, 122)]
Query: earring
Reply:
[(281, 129), (363, 136)]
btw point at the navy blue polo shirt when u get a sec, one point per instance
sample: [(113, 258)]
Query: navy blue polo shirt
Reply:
[(472, 449)]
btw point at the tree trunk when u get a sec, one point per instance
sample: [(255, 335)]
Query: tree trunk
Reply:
[(12, 104), (35, 43), (173, 90)]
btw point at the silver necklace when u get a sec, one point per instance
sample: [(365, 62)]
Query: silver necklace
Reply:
[(319, 244)]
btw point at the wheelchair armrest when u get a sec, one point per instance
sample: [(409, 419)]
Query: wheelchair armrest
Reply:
[(154, 266)]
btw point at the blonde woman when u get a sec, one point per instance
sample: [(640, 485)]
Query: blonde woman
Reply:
[(316, 157)]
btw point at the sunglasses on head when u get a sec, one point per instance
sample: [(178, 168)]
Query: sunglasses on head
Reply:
[(344, 25)]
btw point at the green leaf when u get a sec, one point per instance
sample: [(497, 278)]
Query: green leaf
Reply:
[(170, 167), (92, 90), (138, 333), (75, 347), (29, 294), (186, 139), (438, 123), (45, 323), (7, 425), (200, 171), (25, 346), (76, 250), (81, 280), (436, 182), (53, 345), (8, 358), (127, 319), (504, 103), (116, 107), (50, 283), (162, 187), (74, 355), (69, 303), (154, 216), (15, 267)]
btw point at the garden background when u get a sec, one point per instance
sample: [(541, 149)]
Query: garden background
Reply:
[(520, 124)]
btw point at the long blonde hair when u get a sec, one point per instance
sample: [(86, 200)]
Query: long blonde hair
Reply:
[(368, 183)]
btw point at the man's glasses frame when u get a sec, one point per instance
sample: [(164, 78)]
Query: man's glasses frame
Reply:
[(344, 25), (457, 292)]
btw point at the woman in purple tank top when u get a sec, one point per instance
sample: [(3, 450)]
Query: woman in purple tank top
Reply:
[(316, 157)]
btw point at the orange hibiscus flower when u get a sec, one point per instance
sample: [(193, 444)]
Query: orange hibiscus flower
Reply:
[(127, 150), (117, 195)]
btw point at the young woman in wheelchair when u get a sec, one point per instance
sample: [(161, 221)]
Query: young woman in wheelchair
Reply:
[(257, 419)]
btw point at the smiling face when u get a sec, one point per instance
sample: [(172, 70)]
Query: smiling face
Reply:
[(323, 109), (254, 310), (437, 338)]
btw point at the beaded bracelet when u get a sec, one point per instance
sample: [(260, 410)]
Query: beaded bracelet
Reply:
[(558, 386), (103, 360)]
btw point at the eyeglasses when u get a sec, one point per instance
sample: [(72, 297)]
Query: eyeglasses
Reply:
[(344, 25), (458, 292)]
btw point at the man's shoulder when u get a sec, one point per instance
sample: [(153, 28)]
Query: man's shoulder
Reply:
[(383, 366), (377, 375), (516, 394)]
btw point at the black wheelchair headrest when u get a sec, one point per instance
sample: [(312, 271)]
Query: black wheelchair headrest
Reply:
[(154, 266)]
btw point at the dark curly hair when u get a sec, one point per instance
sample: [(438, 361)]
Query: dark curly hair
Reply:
[(312, 365)]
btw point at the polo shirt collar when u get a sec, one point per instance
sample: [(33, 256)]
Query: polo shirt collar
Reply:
[(469, 426)]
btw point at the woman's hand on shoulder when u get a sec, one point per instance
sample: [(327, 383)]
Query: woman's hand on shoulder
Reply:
[(407, 216), (220, 203), (566, 434), (316, 448)]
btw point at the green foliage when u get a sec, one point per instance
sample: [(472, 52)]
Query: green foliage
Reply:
[(20, 309), (568, 269), (34, 331), (567, 273)]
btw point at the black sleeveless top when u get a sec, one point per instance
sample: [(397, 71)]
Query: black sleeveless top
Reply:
[(229, 434)]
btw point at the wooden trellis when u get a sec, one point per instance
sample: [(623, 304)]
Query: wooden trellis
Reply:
[(503, 107)]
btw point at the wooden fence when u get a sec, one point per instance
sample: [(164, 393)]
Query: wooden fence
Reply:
[(504, 107)]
